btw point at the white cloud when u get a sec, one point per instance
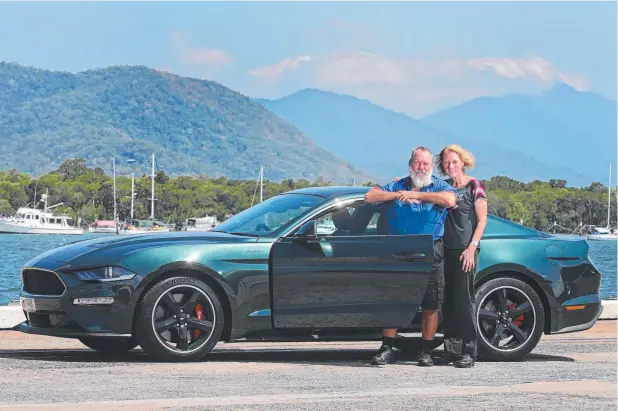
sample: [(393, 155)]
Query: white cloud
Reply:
[(198, 56), (365, 68), (272, 74), (359, 68), (532, 67), (417, 86)]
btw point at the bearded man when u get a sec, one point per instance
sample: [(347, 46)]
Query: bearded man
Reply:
[(417, 204)]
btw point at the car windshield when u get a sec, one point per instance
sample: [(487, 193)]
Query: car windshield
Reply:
[(269, 216)]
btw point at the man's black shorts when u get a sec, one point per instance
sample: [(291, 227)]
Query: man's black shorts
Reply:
[(434, 294)]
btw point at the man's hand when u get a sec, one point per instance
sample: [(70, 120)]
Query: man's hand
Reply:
[(411, 197)]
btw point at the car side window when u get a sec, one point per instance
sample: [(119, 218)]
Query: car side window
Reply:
[(356, 219)]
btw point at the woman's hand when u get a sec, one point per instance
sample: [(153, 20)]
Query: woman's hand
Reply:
[(467, 258)]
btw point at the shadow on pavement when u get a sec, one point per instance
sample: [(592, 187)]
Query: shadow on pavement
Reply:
[(332, 357)]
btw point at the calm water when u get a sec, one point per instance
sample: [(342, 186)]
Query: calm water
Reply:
[(16, 250)]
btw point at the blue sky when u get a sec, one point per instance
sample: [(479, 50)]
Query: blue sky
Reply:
[(412, 57)]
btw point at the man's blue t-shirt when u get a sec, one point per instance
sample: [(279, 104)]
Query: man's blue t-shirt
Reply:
[(423, 218)]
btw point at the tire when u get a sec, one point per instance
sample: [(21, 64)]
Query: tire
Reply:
[(109, 345), (519, 326), (156, 308)]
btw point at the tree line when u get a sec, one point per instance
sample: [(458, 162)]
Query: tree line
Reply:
[(87, 194)]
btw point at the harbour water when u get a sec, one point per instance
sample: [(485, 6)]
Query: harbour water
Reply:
[(16, 250)]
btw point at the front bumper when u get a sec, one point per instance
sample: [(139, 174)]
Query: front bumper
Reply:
[(57, 315), (64, 332)]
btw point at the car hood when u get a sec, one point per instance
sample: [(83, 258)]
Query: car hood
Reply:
[(114, 248)]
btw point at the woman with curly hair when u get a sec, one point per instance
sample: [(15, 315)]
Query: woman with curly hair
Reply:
[(462, 235)]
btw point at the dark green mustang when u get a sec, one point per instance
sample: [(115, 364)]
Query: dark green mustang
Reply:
[(311, 264)]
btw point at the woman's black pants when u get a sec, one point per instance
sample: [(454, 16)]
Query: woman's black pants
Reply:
[(458, 313)]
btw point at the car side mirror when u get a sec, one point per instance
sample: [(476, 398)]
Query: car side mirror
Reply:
[(307, 231)]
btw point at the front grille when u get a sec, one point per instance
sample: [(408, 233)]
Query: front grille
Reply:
[(42, 282)]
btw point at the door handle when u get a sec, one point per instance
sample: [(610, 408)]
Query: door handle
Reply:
[(409, 256)]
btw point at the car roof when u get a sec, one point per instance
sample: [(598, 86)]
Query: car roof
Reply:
[(331, 191)]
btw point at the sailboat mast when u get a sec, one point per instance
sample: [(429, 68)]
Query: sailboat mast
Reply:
[(152, 200), (132, 192), (114, 173), (261, 182), (609, 194)]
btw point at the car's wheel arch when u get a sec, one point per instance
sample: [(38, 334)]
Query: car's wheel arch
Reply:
[(520, 273), (213, 279)]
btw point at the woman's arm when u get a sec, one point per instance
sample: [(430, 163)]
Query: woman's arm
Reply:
[(480, 207)]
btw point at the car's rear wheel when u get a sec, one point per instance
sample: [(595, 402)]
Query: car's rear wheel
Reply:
[(109, 345), (510, 319), (179, 319)]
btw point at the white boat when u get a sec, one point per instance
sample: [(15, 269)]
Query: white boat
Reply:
[(201, 223), (602, 233), (142, 232), (141, 227), (151, 226), (103, 226), (35, 221), (605, 233)]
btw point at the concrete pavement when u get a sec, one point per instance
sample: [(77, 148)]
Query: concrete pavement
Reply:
[(566, 372)]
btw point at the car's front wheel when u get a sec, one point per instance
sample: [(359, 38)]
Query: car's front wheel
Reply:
[(179, 319), (109, 345), (510, 319)]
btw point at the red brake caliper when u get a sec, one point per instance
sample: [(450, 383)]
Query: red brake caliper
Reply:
[(199, 314), (518, 321)]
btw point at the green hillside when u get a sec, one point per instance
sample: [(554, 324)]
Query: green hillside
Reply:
[(194, 127)]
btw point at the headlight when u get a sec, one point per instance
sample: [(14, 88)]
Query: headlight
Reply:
[(105, 274)]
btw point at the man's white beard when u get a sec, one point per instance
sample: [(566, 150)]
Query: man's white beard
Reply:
[(420, 179)]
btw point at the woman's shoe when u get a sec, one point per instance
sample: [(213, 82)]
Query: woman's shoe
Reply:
[(466, 361)]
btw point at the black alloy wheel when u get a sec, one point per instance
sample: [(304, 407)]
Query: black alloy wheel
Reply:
[(510, 319), (180, 318)]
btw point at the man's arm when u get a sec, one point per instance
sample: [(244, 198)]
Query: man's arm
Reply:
[(443, 198), (377, 195)]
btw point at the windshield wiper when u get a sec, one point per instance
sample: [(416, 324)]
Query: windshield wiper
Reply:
[(232, 233), (245, 234)]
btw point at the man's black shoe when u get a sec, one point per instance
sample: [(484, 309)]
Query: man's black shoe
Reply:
[(466, 361), (444, 359), (424, 359), (385, 355)]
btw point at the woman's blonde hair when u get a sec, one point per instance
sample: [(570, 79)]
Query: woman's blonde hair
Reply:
[(467, 158)]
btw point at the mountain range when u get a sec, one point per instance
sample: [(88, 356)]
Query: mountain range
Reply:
[(195, 127), (200, 127), (563, 134), (563, 126)]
